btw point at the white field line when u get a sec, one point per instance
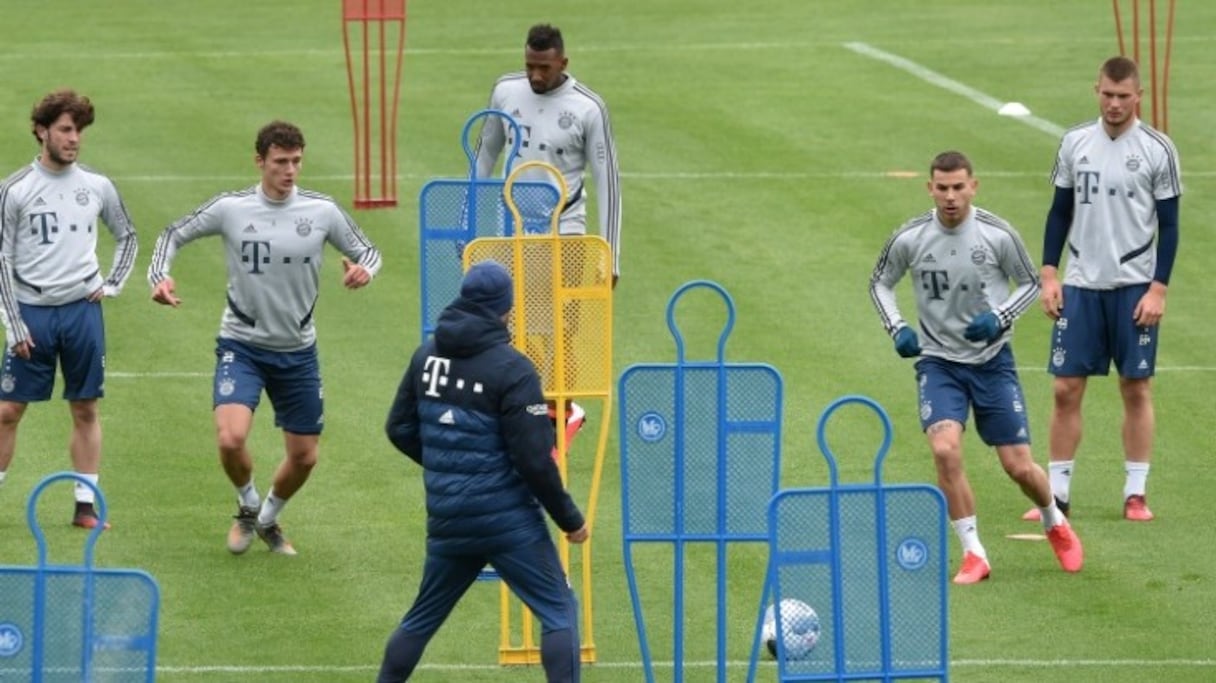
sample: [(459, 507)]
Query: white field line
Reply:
[(204, 670), (156, 375), (930, 76), (1167, 368)]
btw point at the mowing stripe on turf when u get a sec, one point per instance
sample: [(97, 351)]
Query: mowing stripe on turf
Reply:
[(612, 48)]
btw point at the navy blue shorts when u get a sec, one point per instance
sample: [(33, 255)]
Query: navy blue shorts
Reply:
[(947, 390), (292, 380), (1096, 327), (72, 335), (533, 572)]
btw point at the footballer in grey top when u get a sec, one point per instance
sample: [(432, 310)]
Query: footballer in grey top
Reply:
[(563, 123), (274, 250), (48, 229), (957, 273), (1117, 183)]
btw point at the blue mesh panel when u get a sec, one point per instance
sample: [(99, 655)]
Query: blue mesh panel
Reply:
[(727, 501), (912, 561), (117, 620), (448, 221), (648, 450), (916, 599)]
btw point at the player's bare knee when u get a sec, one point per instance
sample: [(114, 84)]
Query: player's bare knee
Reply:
[(1020, 470), (303, 460), (84, 412), (1136, 392), (1068, 392), (947, 457), (230, 442), (11, 413)]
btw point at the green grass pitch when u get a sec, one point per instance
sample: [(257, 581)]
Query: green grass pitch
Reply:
[(762, 146)]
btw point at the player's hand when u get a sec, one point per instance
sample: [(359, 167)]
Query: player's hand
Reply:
[(579, 536), (96, 295), (1051, 294), (985, 327), (907, 344), (163, 293), (1151, 307), (354, 275), (22, 349)]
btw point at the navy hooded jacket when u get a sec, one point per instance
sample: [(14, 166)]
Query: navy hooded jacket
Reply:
[(471, 411)]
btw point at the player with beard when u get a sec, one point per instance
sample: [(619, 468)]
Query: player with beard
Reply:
[(962, 260), (51, 285)]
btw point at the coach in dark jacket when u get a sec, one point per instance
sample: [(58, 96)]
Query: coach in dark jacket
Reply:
[(470, 410)]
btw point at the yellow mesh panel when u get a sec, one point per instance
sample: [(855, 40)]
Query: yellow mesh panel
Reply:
[(562, 317)]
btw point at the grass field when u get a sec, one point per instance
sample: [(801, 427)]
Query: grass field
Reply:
[(770, 146)]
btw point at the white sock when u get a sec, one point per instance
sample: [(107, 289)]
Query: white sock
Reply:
[(247, 496), (3, 475), (1137, 476), (1051, 516), (1060, 474), (969, 536), (84, 494), (271, 507), (575, 413)]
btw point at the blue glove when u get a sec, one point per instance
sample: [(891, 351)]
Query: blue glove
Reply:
[(907, 344), (986, 327)]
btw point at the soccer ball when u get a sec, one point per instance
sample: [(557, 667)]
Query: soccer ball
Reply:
[(800, 628)]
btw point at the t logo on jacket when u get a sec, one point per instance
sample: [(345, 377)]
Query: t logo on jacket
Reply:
[(435, 374)]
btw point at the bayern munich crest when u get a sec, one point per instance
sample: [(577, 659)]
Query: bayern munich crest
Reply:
[(1057, 357), (978, 255)]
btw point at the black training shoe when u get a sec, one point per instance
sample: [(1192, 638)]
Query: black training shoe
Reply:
[(273, 535), (85, 517)]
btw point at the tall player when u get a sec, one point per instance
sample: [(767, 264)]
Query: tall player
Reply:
[(962, 259), (565, 124), (1117, 189), (51, 285), (274, 234)]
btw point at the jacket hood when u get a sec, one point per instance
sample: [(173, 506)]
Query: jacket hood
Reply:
[(466, 329)]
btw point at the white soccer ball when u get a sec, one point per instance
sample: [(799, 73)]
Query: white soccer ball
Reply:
[(799, 626)]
